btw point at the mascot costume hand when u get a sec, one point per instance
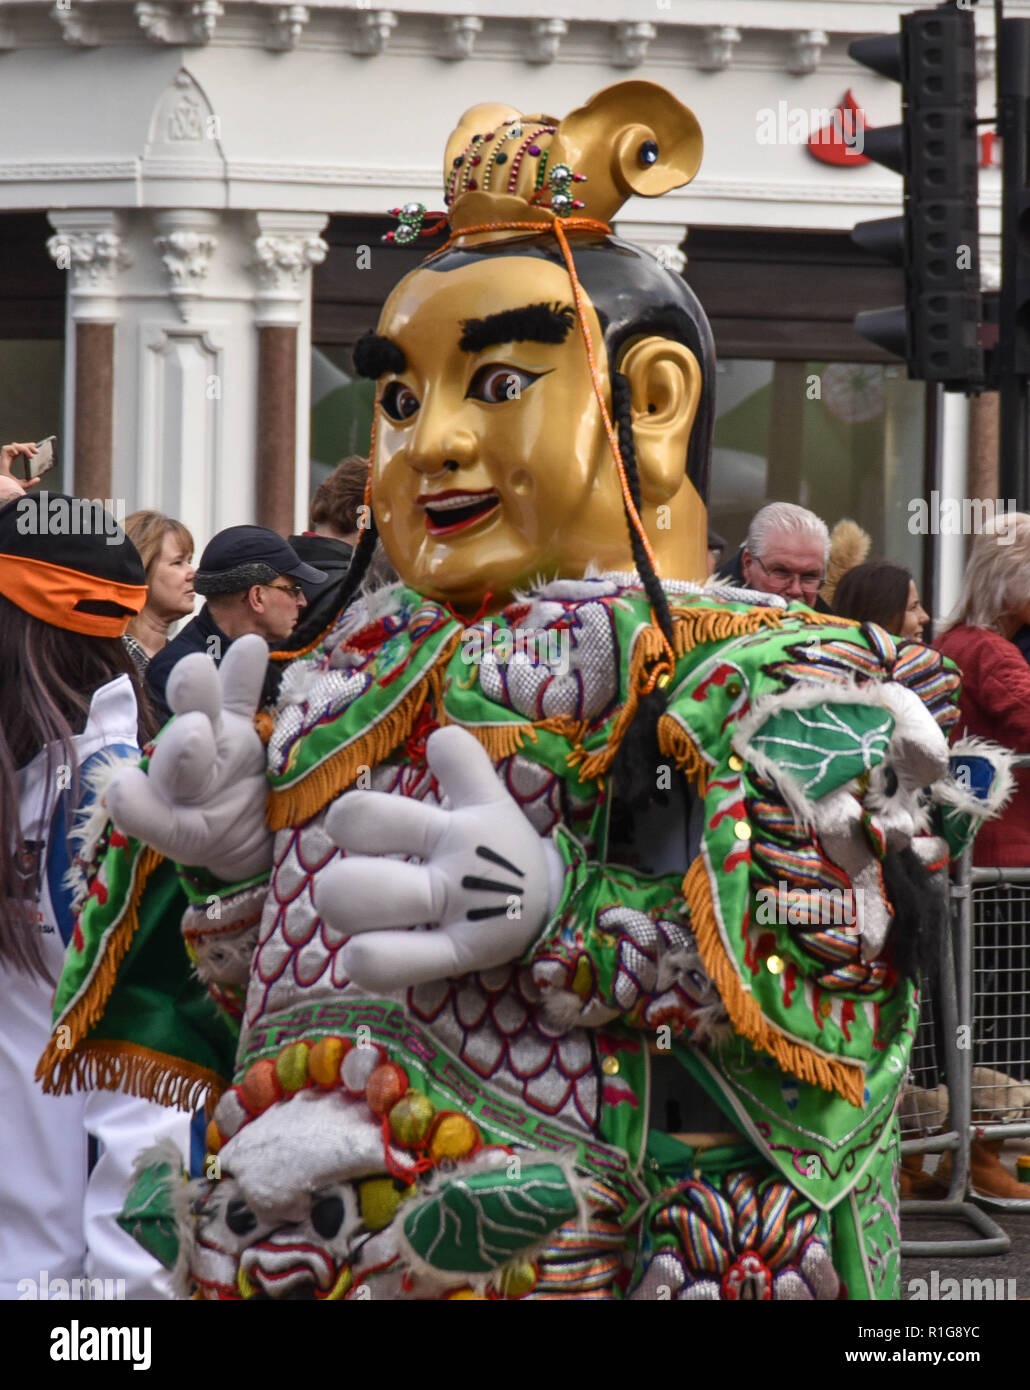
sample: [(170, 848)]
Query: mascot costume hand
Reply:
[(202, 800), (487, 881)]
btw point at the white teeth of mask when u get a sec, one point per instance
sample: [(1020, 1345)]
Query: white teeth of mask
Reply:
[(465, 500)]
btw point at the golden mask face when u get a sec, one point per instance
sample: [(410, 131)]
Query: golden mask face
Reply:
[(492, 466)]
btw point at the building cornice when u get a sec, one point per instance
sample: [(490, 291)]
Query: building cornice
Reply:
[(397, 177), (325, 108), (792, 37)]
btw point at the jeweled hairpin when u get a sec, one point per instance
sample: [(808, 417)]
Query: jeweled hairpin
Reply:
[(410, 218), (559, 180)]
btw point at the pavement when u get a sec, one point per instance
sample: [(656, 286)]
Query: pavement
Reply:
[(1014, 1265)]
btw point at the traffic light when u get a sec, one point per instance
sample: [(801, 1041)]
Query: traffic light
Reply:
[(1014, 129), (1012, 356), (936, 240)]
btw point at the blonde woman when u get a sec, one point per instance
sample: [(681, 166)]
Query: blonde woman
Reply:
[(166, 549), (992, 608)]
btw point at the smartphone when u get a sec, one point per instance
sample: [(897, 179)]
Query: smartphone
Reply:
[(42, 460)]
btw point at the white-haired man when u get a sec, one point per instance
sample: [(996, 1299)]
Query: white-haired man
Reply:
[(785, 553)]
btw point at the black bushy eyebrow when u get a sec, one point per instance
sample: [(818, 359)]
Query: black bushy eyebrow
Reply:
[(533, 323), (374, 355)]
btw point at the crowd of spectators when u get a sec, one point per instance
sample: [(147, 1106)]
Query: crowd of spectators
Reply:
[(88, 657)]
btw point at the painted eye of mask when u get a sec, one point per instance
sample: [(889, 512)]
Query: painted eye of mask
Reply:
[(399, 401), (497, 382)]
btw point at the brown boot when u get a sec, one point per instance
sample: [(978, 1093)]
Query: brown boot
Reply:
[(917, 1185), (988, 1176)]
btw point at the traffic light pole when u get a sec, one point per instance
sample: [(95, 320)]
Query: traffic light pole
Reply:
[(1013, 116)]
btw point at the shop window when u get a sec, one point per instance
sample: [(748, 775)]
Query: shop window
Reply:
[(842, 438), (31, 390), (341, 412)]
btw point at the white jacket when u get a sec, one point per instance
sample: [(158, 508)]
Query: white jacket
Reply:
[(57, 1220)]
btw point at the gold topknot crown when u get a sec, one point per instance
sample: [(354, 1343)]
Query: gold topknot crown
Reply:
[(503, 166)]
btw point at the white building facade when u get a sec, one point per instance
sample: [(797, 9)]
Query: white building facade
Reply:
[(196, 171)]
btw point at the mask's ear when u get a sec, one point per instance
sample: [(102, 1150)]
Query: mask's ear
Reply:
[(665, 388)]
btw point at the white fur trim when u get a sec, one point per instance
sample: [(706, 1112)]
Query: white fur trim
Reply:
[(549, 587), (184, 1194), (368, 608), (755, 597), (89, 826), (165, 1151), (950, 793), (917, 736), (573, 590), (381, 602), (712, 1025), (565, 1010), (298, 678), (300, 1145)]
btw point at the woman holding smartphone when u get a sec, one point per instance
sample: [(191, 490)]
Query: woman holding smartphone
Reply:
[(11, 488)]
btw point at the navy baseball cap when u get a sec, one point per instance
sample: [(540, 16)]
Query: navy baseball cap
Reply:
[(244, 555)]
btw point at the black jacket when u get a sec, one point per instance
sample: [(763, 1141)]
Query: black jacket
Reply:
[(201, 635), (334, 558)]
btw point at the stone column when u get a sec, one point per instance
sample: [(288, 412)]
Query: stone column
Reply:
[(983, 446), (286, 246), (94, 409), (90, 247), (277, 426)]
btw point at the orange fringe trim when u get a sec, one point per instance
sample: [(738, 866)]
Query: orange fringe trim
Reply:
[(501, 740), (89, 1007), (674, 742), (122, 1066), (845, 1078), (829, 619), (649, 648), (575, 730), (692, 626), (297, 804)]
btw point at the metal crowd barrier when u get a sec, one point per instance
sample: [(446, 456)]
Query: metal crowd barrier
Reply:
[(1000, 1083), (969, 1077)]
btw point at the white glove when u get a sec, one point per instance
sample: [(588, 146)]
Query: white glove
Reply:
[(202, 801), (487, 882)]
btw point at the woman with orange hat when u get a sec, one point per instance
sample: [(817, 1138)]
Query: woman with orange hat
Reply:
[(68, 712)]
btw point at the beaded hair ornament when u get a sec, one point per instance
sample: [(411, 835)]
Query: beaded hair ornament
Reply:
[(506, 173)]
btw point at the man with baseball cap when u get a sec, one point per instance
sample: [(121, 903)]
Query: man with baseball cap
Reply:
[(249, 576)]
